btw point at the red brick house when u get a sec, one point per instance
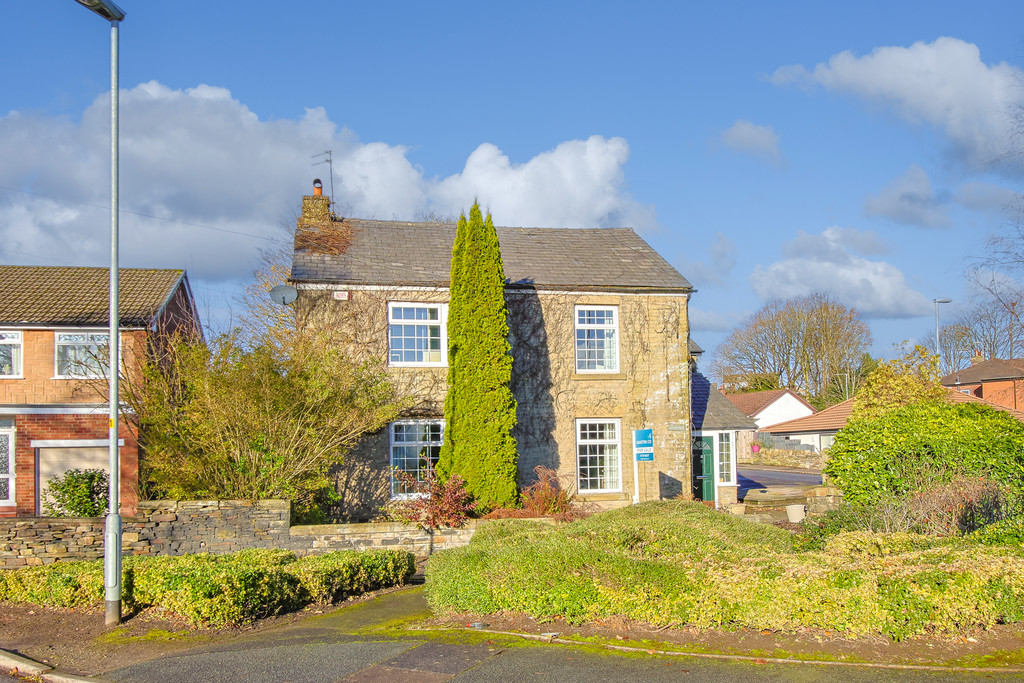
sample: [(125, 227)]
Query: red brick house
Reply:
[(997, 380), (53, 379)]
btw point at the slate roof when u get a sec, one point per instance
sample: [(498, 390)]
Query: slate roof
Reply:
[(835, 417), (753, 402), (986, 370), (711, 410), (79, 297), (397, 253)]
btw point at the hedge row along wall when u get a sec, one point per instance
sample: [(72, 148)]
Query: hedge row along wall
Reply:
[(185, 527)]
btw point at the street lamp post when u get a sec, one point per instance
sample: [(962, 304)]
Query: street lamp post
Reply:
[(938, 349), (112, 535)]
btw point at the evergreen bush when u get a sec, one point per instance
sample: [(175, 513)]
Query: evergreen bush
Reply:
[(922, 444), (479, 408)]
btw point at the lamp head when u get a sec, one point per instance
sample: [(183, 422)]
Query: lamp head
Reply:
[(105, 8), (943, 301)]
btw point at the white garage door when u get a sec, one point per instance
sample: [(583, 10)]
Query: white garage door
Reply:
[(53, 462)]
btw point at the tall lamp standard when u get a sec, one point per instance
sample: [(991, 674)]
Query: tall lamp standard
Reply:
[(938, 349), (112, 535)]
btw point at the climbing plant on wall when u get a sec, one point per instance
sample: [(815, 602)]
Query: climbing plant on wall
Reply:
[(479, 408)]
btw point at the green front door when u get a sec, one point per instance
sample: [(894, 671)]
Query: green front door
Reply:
[(704, 467)]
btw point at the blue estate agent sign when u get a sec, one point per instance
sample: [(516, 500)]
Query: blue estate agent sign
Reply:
[(643, 445)]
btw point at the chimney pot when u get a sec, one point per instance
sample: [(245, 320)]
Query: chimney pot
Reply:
[(318, 187)]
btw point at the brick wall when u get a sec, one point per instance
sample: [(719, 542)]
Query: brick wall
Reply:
[(61, 427), (38, 385), (217, 527)]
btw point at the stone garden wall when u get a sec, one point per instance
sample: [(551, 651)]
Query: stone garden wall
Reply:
[(779, 457), (218, 527)]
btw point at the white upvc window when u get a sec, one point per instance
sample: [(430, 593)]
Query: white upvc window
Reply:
[(10, 353), (415, 448), (81, 354), (597, 339), (726, 469), (598, 462), (7, 467), (417, 334)]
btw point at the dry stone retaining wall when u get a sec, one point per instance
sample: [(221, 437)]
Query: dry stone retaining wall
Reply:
[(218, 527)]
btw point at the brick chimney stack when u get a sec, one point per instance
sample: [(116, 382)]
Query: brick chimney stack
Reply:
[(316, 208), (977, 357)]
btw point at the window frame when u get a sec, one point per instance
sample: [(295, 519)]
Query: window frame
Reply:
[(18, 356), (729, 440), (617, 442), (56, 352), (392, 444), (578, 327), (11, 475), (442, 323)]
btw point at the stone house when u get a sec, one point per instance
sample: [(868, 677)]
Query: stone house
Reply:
[(54, 411), (600, 345)]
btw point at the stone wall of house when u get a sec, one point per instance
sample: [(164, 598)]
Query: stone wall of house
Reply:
[(778, 457), (651, 389), (217, 527)]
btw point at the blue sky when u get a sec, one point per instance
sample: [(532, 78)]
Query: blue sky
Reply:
[(767, 150)]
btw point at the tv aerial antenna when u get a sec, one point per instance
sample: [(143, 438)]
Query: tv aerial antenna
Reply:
[(330, 165)]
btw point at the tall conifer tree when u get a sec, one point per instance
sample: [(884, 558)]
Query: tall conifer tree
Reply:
[(479, 408)]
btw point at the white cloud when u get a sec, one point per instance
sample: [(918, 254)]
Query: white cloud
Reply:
[(987, 197), (759, 141), (909, 200), (943, 83), (579, 183), (716, 271), (830, 263), (199, 157)]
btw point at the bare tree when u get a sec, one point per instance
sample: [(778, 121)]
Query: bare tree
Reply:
[(808, 343)]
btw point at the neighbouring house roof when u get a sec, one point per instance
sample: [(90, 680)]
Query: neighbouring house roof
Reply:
[(752, 403), (712, 410), (80, 297), (986, 370), (695, 349), (830, 419), (419, 254), (835, 417)]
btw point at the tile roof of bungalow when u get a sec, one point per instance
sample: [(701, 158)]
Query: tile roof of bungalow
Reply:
[(77, 296), (712, 410), (991, 369), (402, 254), (753, 402), (835, 417)]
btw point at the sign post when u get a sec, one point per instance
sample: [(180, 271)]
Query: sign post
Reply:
[(643, 451)]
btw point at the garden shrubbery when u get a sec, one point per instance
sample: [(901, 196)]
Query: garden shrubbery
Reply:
[(674, 563), (906, 448), (214, 590)]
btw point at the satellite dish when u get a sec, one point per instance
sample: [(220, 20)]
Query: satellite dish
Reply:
[(284, 294)]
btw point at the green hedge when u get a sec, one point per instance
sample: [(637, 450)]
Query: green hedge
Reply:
[(214, 590), (674, 563), (896, 452)]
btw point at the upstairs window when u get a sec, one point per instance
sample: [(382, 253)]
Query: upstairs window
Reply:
[(417, 334), (82, 355), (10, 354), (597, 339)]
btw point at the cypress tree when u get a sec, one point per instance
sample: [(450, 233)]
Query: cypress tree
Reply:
[(479, 408)]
